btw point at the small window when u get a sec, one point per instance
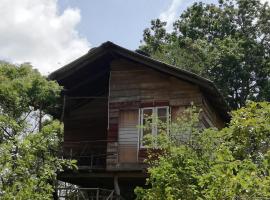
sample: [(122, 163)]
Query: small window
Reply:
[(150, 115)]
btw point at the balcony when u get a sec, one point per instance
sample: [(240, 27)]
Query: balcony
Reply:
[(101, 155), (90, 155)]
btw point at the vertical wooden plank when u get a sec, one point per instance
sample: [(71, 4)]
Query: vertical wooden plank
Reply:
[(128, 136)]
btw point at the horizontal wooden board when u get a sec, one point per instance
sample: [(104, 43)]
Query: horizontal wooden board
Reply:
[(130, 82)]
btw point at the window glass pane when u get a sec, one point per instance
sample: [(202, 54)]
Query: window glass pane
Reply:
[(147, 123), (162, 112), (162, 115), (147, 112), (147, 116)]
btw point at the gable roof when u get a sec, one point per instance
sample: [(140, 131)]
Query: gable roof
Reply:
[(110, 49)]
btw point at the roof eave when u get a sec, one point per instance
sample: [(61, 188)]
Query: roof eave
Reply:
[(109, 47)]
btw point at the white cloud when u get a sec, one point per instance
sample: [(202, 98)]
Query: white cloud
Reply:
[(34, 31), (264, 1), (170, 14)]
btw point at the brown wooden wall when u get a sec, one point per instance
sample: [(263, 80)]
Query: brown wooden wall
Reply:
[(86, 120), (133, 86), (134, 82)]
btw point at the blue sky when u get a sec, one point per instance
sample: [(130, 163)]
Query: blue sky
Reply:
[(120, 21), (52, 33)]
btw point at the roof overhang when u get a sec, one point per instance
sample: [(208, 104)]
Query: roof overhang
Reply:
[(110, 49)]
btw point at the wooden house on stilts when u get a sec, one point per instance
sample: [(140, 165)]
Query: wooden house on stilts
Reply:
[(106, 94)]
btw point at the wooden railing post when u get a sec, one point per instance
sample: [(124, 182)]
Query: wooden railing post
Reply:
[(97, 197), (91, 164)]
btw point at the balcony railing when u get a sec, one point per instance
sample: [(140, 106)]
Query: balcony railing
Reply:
[(72, 192), (89, 154)]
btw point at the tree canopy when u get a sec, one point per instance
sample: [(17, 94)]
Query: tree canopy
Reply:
[(228, 42), (29, 136), (232, 163)]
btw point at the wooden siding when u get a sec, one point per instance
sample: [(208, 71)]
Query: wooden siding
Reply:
[(128, 136), (134, 82), (133, 86), (128, 131), (85, 121)]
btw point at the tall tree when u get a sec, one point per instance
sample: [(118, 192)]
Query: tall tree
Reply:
[(29, 137), (228, 43)]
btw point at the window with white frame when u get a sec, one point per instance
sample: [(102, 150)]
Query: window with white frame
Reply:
[(150, 120)]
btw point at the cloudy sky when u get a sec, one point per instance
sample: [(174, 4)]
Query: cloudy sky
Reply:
[(51, 33)]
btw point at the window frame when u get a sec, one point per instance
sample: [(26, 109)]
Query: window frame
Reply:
[(154, 128)]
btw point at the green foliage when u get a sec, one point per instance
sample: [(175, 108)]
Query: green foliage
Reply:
[(232, 163), (23, 89), (227, 43), (29, 137)]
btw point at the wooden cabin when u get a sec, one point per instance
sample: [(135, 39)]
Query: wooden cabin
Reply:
[(106, 94)]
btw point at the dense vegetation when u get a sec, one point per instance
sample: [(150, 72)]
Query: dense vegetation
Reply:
[(191, 163), (228, 43), (29, 137)]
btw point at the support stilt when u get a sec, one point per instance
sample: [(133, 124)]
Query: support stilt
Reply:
[(116, 185)]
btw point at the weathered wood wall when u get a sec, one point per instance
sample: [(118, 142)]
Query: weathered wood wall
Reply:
[(133, 86), (128, 136), (86, 121)]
